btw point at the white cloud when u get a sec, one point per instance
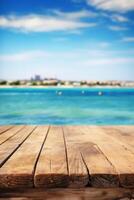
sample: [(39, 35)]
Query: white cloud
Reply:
[(128, 39), (103, 56), (24, 56), (44, 23), (113, 5), (119, 18), (75, 15), (117, 28)]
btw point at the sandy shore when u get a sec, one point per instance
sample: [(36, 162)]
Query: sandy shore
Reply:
[(47, 87)]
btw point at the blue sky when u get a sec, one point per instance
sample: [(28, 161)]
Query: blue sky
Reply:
[(67, 39)]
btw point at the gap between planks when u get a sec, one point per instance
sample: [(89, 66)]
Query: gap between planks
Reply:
[(4, 128), (11, 145), (19, 168)]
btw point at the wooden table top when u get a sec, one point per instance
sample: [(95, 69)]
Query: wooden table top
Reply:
[(66, 156)]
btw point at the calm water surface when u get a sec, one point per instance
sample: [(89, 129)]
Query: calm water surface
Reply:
[(67, 106)]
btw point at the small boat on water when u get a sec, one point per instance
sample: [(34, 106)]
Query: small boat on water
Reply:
[(100, 93), (59, 93)]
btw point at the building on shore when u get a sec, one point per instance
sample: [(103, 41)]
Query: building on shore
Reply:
[(36, 78)]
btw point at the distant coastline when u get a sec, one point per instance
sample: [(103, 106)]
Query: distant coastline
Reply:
[(49, 83), (60, 87)]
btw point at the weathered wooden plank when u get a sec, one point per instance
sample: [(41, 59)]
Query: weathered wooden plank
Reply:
[(4, 128), (124, 137), (11, 145), (51, 170), (101, 172), (80, 156), (69, 194), (10, 133), (18, 171), (129, 130), (78, 172), (118, 155)]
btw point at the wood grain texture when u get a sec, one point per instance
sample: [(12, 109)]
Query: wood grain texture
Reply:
[(125, 136), (69, 194), (78, 172), (51, 170), (9, 133), (120, 157), (18, 171), (68, 156), (4, 128), (101, 172), (11, 145)]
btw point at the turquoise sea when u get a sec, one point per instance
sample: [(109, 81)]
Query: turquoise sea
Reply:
[(97, 106)]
